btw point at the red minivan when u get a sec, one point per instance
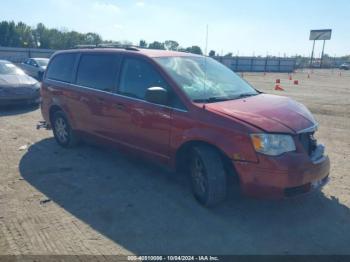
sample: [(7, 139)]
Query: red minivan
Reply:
[(189, 112)]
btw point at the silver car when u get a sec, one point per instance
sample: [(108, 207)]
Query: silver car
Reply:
[(16, 87), (345, 66), (35, 67)]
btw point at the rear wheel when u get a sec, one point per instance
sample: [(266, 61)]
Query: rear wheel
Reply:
[(62, 130), (208, 176)]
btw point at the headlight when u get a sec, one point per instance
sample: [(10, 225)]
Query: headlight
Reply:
[(272, 144)]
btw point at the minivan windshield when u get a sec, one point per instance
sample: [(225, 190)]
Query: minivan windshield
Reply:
[(205, 80)]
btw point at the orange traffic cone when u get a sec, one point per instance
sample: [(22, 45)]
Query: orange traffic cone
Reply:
[(278, 88)]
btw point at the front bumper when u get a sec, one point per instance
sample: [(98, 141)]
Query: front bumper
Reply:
[(30, 99), (285, 176)]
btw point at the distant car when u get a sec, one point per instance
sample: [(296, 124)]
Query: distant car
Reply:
[(16, 87), (345, 66), (35, 67)]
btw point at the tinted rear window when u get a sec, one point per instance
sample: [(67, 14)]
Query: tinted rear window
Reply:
[(98, 71), (61, 67)]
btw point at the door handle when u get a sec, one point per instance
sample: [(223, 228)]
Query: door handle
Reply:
[(120, 106)]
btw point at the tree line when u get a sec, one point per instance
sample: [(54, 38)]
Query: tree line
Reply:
[(21, 35)]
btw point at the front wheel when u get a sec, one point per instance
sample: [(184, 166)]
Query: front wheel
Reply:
[(62, 130), (208, 176)]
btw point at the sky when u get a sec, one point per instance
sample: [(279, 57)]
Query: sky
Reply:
[(250, 27)]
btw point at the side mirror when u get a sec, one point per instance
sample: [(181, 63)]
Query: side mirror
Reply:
[(157, 95)]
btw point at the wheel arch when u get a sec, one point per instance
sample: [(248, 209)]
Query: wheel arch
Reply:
[(53, 110), (182, 157)]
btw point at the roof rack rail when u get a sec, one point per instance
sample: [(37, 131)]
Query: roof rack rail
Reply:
[(126, 47), (84, 46)]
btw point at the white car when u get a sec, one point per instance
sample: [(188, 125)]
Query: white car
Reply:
[(35, 67)]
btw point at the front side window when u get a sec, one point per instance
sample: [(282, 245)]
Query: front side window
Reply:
[(204, 79), (98, 71), (137, 76), (61, 68)]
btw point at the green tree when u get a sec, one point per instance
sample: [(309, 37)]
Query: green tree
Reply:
[(92, 39), (171, 45), (143, 44), (156, 45), (212, 53), (195, 50), (9, 35), (25, 35)]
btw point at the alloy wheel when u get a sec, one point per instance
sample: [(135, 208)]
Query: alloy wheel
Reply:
[(199, 177), (61, 130)]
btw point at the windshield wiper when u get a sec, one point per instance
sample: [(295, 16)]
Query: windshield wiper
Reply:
[(211, 99), (221, 98), (247, 95)]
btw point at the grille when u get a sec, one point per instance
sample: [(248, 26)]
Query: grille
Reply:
[(308, 141)]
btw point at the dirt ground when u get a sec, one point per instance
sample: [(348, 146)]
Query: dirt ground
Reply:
[(91, 200)]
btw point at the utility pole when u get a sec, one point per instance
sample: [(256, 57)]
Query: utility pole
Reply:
[(312, 54), (206, 41), (324, 43)]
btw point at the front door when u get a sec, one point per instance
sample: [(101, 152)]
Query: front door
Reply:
[(146, 126)]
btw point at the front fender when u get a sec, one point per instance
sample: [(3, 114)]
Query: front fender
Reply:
[(235, 145)]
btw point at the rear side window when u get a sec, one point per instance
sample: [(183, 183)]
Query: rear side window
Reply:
[(98, 71), (137, 76), (61, 68)]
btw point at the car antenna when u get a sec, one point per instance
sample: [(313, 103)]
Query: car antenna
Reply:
[(205, 60)]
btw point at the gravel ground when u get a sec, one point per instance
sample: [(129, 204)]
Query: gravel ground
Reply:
[(91, 200)]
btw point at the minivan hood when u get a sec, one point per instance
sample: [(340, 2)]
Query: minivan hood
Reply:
[(270, 113)]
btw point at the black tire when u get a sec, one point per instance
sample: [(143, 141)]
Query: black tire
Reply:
[(209, 185), (63, 133)]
